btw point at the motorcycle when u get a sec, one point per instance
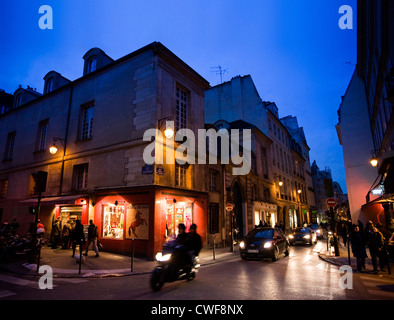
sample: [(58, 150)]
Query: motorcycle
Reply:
[(172, 267)]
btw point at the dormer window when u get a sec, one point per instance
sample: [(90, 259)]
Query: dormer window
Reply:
[(18, 100), (92, 64), (49, 85)]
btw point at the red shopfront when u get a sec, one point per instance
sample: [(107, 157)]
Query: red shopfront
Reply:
[(149, 215)]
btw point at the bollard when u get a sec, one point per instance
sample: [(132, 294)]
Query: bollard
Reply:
[(80, 257), (132, 255), (213, 239)]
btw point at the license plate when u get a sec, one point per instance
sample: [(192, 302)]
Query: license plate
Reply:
[(299, 241), (253, 251)]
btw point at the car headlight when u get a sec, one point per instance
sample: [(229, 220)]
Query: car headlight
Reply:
[(161, 258), (307, 236), (268, 245), (291, 236), (242, 245)]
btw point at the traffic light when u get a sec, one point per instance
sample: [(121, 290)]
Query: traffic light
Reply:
[(32, 210), (40, 179)]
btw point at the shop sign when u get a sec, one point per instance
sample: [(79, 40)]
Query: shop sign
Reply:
[(229, 207), (148, 169), (159, 170)]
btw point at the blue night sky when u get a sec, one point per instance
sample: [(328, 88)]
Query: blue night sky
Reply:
[(294, 50)]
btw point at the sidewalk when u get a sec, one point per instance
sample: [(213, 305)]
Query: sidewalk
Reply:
[(107, 265), (343, 259)]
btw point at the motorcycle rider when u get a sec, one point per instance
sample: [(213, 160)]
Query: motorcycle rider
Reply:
[(181, 246)]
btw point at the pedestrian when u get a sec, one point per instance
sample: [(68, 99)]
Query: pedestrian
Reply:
[(66, 235), (78, 237), (40, 228), (195, 242), (56, 232), (92, 238), (358, 247), (72, 230), (384, 253), (14, 225), (375, 244)]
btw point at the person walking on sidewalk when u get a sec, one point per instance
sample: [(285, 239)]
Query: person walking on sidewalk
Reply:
[(56, 233), (66, 235), (78, 237), (358, 247), (92, 238), (375, 244)]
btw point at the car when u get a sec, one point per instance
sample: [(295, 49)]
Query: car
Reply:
[(302, 235), (264, 242), (319, 231)]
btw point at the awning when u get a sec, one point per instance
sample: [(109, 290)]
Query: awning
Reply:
[(52, 201)]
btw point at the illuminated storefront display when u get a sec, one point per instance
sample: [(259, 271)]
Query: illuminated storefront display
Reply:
[(176, 213), (113, 222)]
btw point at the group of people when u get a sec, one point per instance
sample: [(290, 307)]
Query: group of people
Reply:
[(71, 234), (376, 239)]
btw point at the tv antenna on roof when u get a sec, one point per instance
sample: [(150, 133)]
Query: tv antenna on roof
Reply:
[(219, 71)]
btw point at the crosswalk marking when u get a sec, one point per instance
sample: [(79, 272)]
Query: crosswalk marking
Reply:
[(372, 286), (381, 293), (19, 281), (6, 293)]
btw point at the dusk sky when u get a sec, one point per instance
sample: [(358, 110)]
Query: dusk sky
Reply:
[(295, 51)]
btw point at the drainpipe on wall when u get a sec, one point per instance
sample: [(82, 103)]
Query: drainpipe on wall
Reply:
[(66, 139)]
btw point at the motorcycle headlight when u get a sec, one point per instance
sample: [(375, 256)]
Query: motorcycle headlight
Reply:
[(307, 236), (291, 236), (242, 245), (161, 258), (268, 245)]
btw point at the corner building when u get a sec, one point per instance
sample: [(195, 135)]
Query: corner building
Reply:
[(97, 123)]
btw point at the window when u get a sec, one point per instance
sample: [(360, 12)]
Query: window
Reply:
[(9, 148), (42, 135), (49, 85), (113, 222), (180, 175), (86, 122), (3, 188), (80, 177), (18, 100), (264, 165), (213, 180), (92, 64), (181, 109), (213, 218)]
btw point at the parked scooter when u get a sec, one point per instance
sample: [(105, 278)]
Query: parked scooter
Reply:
[(172, 266)]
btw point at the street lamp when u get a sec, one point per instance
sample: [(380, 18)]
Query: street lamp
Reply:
[(299, 203), (374, 162), (168, 132), (53, 149)]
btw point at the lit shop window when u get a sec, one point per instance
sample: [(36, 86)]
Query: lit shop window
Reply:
[(177, 213), (113, 222)]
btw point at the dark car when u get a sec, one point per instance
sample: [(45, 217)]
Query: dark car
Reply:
[(263, 242), (303, 236), (319, 231)]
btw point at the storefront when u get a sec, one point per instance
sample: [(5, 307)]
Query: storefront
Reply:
[(265, 212), (148, 216), (73, 207)]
